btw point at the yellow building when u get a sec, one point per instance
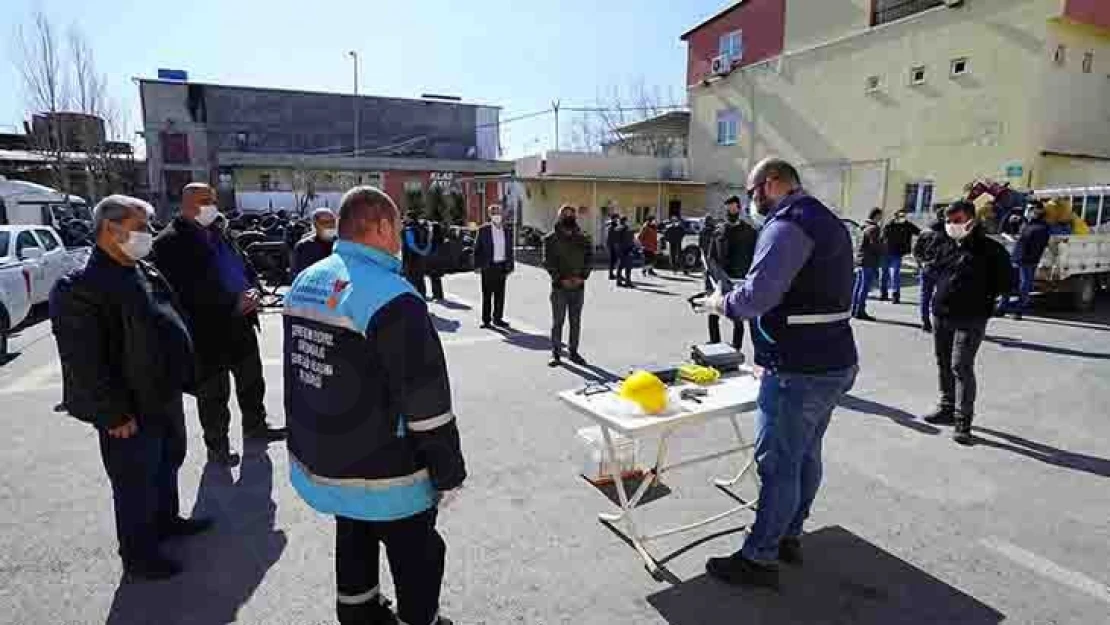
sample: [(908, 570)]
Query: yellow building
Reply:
[(900, 103), (600, 185)]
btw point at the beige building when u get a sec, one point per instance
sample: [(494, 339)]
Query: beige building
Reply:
[(901, 103)]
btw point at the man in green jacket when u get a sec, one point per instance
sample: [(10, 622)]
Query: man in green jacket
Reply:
[(567, 254)]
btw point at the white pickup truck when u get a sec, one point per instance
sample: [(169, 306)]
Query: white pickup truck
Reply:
[(15, 299)]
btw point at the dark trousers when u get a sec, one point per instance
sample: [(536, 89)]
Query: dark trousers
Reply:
[(890, 280), (649, 262), (675, 250), (416, 278), (624, 269), (957, 342), (928, 284), (566, 302), (143, 472), (737, 331), (614, 260), (214, 393), (865, 280), (493, 292), (415, 552)]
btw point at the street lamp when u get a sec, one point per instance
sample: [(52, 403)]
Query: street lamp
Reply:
[(354, 57)]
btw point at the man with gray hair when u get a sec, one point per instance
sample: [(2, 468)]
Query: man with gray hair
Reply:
[(372, 437), (316, 245), (127, 357)]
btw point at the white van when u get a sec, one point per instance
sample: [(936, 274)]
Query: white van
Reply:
[(25, 203)]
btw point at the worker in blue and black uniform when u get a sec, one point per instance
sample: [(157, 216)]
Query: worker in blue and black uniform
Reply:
[(798, 293), (372, 437), (419, 245)]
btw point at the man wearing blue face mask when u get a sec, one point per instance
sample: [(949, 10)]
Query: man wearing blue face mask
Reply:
[(127, 357), (971, 271)]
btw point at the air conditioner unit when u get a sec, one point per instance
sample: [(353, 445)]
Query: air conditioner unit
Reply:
[(953, 3), (722, 65)]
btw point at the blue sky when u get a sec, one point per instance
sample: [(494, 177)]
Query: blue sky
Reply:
[(519, 55)]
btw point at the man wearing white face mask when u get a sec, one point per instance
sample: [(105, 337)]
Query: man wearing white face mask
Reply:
[(318, 244), (219, 294), (971, 271), (493, 258), (129, 383)]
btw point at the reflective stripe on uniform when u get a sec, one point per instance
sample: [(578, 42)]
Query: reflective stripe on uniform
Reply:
[(809, 320), (359, 598), (312, 314), (384, 483), (425, 425)]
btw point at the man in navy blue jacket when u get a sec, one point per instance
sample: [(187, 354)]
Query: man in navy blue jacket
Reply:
[(493, 259), (372, 437), (798, 294), (1026, 256)]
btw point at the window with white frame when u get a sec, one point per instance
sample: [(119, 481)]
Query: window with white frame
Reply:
[(728, 127), (917, 75), (960, 67), (731, 45), (919, 197)]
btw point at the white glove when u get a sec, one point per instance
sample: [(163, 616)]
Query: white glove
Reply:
[(713, 304), (447, 497)]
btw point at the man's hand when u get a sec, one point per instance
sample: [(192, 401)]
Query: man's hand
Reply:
[(713, 304), (447, 497), (127, 430), (249, 301)]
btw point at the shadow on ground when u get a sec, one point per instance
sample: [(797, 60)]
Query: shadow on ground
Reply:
[(1044, 453), (222, 569), (1012, 343), (897, 415), (845, 579)]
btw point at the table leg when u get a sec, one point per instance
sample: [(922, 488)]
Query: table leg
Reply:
[(628, 505), (748, 465)]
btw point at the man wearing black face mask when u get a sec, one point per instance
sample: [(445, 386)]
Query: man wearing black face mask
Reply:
[(567, 257), (732, 246)]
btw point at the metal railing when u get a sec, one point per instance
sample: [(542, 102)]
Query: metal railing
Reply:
[(884, 11)]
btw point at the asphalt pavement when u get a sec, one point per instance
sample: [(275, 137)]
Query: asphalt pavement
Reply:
[(909, 527)]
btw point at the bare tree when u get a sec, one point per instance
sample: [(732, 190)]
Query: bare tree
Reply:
[(40, 64), (597, 128)]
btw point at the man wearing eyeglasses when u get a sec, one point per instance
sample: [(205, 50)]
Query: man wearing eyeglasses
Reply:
[(798, 294)]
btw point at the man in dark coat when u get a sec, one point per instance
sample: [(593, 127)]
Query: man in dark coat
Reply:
[(611, 244), (567, 256), (316, 245), (626, 248), (127, 357), (732, 248), (972, 271), (898, 236), (418, 245), (926, 250), (494, 260), (1026, 256), (869, 258), (673, 234), (219, 294)]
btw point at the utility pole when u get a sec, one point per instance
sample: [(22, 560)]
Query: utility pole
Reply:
[(555, 105), (354, 57)]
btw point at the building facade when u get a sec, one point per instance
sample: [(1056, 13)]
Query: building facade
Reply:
[(900, 103), (279, 149)]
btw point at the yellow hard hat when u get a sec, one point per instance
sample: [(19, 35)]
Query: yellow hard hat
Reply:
[(645, 390)]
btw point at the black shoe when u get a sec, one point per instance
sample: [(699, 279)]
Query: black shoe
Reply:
[(883, 298), (486, 325), (740, 571), (183, 528), (150, 570), (265, 433), (962, 433), (577, 359), (612, 277), (223, 456), (501, 323), (443, 620), (897, 299), (1017, 316), (927, 328), (790, 551), (941, 416), (555, 361), (864, 317)]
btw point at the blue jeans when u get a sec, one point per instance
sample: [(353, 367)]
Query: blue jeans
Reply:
[(794, 413), (865, 281), (1026, 275), (891, 276), (928, 284)]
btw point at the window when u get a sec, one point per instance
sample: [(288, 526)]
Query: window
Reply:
[(1088, 62), (175, 148), (960, 67), (414, 185), (728, 127), (883, 11), (873, 84), (1060, 57), (48, 241), (265, 182), (731, 45), (643, 212), (917, 75), (5, 237), (919, 197), (23, 241)]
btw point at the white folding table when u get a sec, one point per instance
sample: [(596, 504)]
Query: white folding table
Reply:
[(728, 398)]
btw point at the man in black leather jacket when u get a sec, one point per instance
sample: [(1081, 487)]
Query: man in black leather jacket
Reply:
[(127, 357)]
